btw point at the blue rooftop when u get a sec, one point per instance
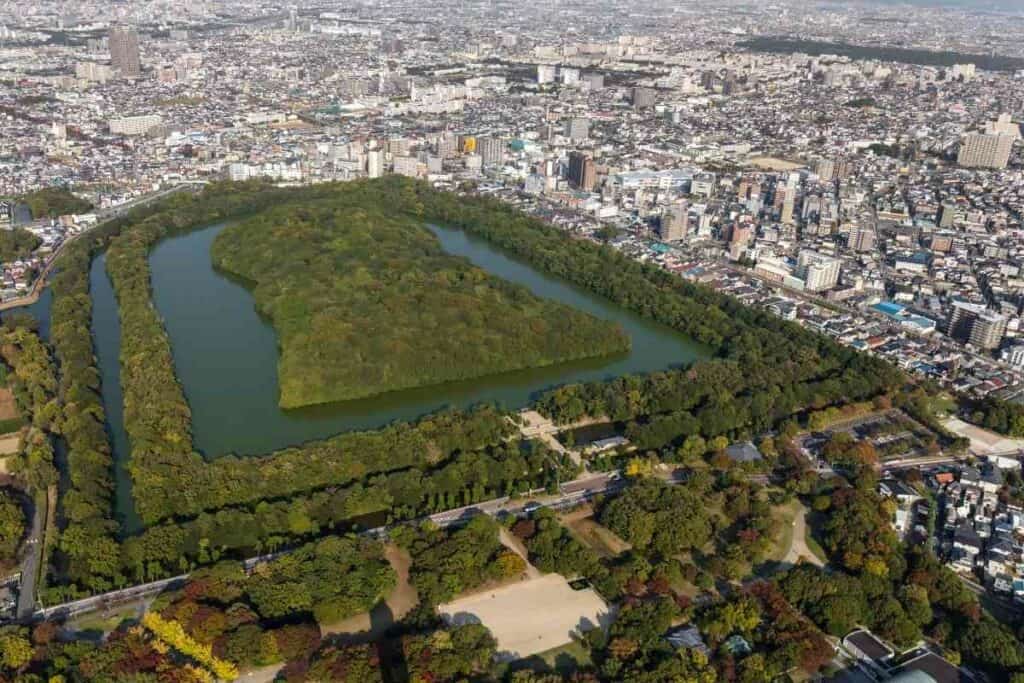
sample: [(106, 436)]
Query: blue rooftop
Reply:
[(889, 308)]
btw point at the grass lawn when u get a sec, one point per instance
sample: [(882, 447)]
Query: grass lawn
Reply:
[(101, 623), (943, 404), (563, 660)]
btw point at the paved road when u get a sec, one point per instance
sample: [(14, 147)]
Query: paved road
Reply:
[(30, 565), (572, 493), (909, 463)]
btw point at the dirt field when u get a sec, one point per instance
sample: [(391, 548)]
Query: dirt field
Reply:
[(983, 441), (601, 540), (8, 409), (792, 544), (9, 444), (530, 617), (402, 599), (773, 164)]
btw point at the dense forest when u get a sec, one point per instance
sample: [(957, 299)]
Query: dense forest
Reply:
[(709, 532), (17, 244), (364, 302), (12, 528), (32, 377), (223, 619), (240, 531), (767, 370)]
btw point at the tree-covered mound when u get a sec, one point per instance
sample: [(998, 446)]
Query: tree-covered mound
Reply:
[(365, 301), (51, 202), (17, 244)]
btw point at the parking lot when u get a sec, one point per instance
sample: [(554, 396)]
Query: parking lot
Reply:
[(894, 435)]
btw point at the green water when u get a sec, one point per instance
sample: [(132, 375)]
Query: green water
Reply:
[(106, 337), (226, 355)]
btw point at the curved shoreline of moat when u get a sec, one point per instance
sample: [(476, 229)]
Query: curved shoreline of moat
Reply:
[(226, 354)]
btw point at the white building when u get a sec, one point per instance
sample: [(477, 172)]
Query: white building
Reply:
[(134, 125), (820, 273), (545, 74), (407, 166)]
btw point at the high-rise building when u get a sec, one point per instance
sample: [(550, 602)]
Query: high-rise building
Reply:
[(448, 145), (124, 51), (829, 170), (491, 150), (985, 150), (988, 330), (91, 71), (947, 215), (820, 273), (1015, 355), (644, 98), (862, 238), (973, 324), (6, 214), (398, 147), (582, 173), (965, 72), (676, 222), (741, 234), (577, 129), (375, 163), (545, 74), (788, 206), (1004, 125)]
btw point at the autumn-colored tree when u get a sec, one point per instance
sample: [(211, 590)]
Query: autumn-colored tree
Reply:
[(507, 564)]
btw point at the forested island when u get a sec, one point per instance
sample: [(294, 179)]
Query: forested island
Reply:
[(366, 302)]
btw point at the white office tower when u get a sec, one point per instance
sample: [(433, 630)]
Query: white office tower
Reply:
[(375, 163)]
